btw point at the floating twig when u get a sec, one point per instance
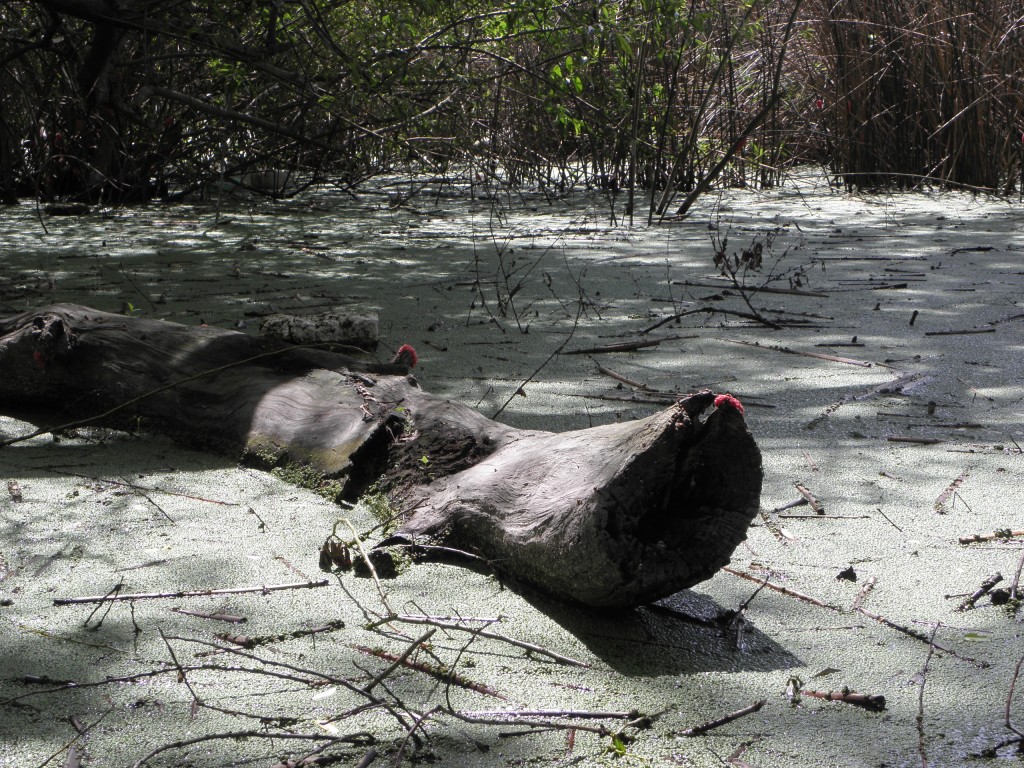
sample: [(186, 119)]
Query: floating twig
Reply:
[(874, 702), (795, 503), (734, 758), (620, 377), (783, 590), (197, 593), (920, 636), (898, 386), (623, 346), (244, 641), (1009, 700), (147, 564), (879, 510), (441, 673), (1015, 586), (1008, 318), (923, 677), (811, 499), (578, 713), (810, 462), (520, 389), (869, 584), (262, 733), (713, 311), (965, 332), (697, 730), (455, 621), (73, 758), (823, 516), (950, 490), (977, 393), (916, 440), (472, 717), (980, 592), (771, 522), (530, 647), (855, 285), (972, 249), (873, 616), (1018, 738), (399, 660), (1003, 534), (947, 425), (802, 353), (659, 396), (212, 616), (755, 289), (366, 559)]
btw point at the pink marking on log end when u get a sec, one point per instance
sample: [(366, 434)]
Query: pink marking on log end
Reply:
[(407, 355), (729, 400)]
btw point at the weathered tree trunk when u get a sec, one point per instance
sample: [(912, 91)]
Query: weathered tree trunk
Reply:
[(617, 515)]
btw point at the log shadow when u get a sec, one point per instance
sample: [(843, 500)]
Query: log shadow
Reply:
[(684, 634)]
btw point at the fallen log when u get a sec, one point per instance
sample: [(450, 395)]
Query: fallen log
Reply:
[(615, 515)]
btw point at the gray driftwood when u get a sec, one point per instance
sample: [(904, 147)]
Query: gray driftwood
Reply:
[(616, 515)]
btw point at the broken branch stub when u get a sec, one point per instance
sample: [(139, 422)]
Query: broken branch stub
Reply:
[(616, 515)]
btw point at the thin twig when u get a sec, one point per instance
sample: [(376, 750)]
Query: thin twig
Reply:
[(339, 681), (1015, 587), (869, 584), (872, 701), (624, 346), (82, 733), (1009, 699), (950, 490), (198, 593), (783, 590), (697, 730), (811, 499), (369, 564), (619, 377), (713, 311), (802, 353), (756, 289), (997, 535), (873, 616), (920, 698), (920, 636), (400, 660), (531, 723), (530, 647), (981, 591), (358, 738), (519, 390)]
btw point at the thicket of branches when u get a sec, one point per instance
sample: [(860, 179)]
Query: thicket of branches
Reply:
[(916, 91), (143, 98)]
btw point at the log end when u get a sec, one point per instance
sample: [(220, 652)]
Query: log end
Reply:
[(614, 516)]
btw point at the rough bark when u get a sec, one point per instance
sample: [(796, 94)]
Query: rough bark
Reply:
[(353, 329), (617, 515)]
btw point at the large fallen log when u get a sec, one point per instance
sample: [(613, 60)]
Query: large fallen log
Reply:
[(616, 515)]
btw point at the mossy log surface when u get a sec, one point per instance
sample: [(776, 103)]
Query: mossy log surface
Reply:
[(616, 515)]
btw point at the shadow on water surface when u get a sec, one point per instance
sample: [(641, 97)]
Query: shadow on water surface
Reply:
[(686, 633)]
